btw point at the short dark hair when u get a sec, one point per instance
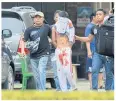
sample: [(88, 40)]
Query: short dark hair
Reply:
[(101, 10), (57, 11), (112, 11), (92, 15), (63, 14)]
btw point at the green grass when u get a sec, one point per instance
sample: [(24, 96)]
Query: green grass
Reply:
[(53, 95)]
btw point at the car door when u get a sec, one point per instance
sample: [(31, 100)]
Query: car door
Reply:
[(12, 21)]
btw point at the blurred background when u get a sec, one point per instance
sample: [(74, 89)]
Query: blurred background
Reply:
[(78, 13)]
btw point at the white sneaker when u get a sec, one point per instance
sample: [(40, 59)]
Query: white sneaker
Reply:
[(73, 89)]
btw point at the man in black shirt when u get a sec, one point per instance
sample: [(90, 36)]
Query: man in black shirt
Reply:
[(40, 57), (99, 60)]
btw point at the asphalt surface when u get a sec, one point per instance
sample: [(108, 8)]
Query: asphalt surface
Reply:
[(82, 85)]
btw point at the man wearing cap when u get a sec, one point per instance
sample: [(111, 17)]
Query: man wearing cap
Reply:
[(40, 57)]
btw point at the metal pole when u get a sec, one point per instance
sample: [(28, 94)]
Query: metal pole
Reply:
[(41, 6), (64, 6), (95, 5), (100, 4), (18, 4)]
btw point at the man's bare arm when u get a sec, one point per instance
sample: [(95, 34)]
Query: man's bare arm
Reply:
[(89, 53), (85, 39)]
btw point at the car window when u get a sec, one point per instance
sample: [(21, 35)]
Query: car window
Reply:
[(14, 24)]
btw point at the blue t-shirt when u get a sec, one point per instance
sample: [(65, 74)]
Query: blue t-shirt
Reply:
[(87, 32)]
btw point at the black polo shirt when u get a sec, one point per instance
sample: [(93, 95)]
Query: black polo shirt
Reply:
[(32, 33)]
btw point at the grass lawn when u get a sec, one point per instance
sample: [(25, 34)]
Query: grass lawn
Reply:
[(54, 95)]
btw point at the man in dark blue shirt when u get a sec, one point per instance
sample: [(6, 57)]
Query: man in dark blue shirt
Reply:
[(39, 59), (99, 60), (90, 50)]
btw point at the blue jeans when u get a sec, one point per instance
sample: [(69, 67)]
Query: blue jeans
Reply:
[(39, 71), (89, 66), (55, 74), (112, 87), (97, 63)]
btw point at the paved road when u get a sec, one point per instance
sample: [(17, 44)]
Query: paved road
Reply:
[(82, 85)]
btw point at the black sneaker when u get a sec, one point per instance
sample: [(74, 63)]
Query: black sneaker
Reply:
[(101, 87)]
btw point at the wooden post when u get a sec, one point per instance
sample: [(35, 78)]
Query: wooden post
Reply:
[(74, 67)]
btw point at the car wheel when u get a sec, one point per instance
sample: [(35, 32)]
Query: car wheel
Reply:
[(9, 82), (31, 83), (52, 82)]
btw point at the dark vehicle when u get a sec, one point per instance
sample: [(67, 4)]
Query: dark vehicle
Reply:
[(17, 19), (8, 69)]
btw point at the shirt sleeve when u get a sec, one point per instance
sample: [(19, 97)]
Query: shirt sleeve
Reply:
[(92, 30), (70, 24), (26, 34), (88, 30)]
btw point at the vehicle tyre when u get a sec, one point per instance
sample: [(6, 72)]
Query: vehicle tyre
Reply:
[(9, 82)]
